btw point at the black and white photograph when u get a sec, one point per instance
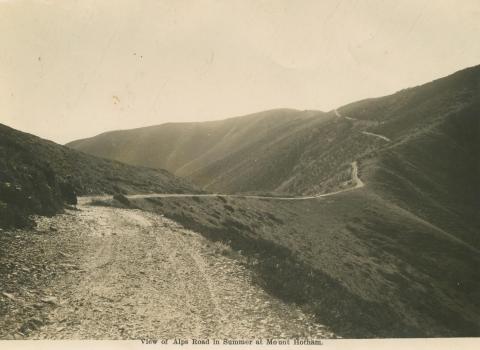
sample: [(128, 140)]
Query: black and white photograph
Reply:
[(239, 173)]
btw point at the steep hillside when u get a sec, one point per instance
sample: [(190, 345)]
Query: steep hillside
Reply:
[(432, 166), (284, 151), (290, 151), (418, 147), (398, 257), (38, 176)]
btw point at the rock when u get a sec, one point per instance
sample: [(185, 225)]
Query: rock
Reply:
[(9, 296), (75, 267), (68, 193), (31, 325), (49, 300), (18, 336), (65, 255), (122, 199)]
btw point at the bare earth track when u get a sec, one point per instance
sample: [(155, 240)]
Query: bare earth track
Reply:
[(134, 275), (356, 181)]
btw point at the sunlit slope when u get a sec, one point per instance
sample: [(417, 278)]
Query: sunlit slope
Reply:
[(288, 151), (291, 151)]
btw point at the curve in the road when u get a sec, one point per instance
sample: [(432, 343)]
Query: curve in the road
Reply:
[(338, 114), (384, 138), (355, 179)]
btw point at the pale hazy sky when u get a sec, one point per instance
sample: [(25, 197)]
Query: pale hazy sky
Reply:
[(72, 69)]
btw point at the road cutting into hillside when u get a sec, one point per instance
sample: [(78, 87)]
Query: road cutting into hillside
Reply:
[(338, 114), (367, 133), (384, 138), (137, 275), (355, 181)]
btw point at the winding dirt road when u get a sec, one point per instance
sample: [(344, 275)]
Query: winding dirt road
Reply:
[(384, 138), (355, 179), (136, 275)]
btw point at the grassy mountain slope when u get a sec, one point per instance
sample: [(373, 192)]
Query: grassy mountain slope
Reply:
[(284, 151), (429, 166), (38, 176), (432, 166), (290, 151), (398, 257)]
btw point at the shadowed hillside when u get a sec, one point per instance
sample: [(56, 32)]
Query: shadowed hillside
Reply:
[(39, 176), (432, 166), (364, 266)]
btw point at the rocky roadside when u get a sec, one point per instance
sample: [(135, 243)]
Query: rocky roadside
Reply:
[(109, 273), (30, 260)]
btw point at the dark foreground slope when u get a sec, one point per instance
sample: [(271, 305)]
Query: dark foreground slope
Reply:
[(39, 176)]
